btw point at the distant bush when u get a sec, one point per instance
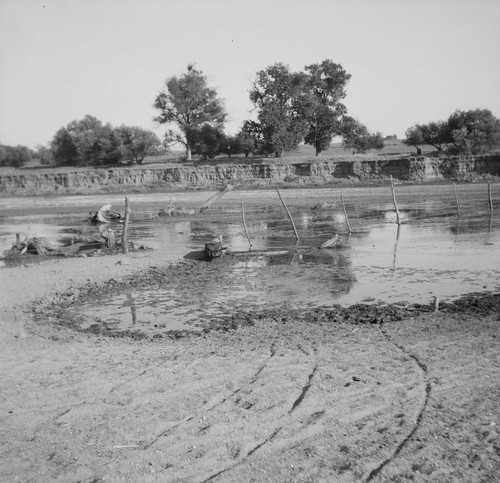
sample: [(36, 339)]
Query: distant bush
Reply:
[(15, 156)]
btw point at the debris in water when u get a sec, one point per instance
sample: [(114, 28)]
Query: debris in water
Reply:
[(214, 248), (104, 215)]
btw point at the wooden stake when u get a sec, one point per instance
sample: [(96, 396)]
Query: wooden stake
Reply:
[(245, 223), (345, 213), (395, 202), (490, 200), (125, 228), (456, 199), (288, 213)]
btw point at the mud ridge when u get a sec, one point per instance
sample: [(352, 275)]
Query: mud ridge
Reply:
[(423, 368)]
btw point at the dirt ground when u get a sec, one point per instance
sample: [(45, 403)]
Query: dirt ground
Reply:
[(279, 399)]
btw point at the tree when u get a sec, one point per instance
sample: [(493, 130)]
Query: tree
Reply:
[(250, 138), (324, 88), (230, 145), (189, 103), (475, 131), (85, 142), (356, 136), (436, 134), (15, 156), (44, 154), (414, 137), (276, 95), (206, 141), (137, 143)]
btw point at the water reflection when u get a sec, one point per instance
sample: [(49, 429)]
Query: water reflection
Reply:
[(396, 248), (133, 308)]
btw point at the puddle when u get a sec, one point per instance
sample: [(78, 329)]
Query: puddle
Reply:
[(432, 254)]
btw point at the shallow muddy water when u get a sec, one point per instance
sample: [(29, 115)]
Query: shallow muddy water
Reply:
[(434, 253)]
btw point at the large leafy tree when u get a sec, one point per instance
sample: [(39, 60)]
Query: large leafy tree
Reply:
[(277, 94), (188, 102), (475, 131), (324, 88), (85, 142), (137, 143)]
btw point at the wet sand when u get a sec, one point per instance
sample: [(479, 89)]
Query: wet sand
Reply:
[(287, 397)]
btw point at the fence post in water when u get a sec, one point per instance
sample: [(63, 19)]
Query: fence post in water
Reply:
[(395, 202), (490, 200), (245, 223), (456, 199), (288, 213), (345, 213), (125, 228)]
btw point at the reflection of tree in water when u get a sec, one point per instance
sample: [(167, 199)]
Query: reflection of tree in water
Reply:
[(319, 269)]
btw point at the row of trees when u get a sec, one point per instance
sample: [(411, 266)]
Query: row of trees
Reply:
[(15, 156), (465, 132), (292, 107), (90, 142)]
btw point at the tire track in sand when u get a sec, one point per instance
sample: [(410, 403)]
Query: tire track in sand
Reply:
[(272, 350), (295, 405), (400, 446)]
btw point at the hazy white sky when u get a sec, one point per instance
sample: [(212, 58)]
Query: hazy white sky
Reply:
[(410, 60)]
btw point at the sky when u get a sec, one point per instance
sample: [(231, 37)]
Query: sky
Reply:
[(411, 61)]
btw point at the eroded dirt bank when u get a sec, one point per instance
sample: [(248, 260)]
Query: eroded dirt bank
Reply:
[(283, 398), (262, 173)]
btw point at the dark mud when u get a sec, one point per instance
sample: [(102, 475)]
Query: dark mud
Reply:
[(194, 276)]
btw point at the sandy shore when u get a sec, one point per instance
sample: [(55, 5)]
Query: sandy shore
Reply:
[(279, 400)]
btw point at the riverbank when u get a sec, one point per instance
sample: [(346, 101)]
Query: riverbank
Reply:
[(248, 174), (285, 398)]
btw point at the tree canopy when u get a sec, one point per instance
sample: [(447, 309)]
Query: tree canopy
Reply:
[(15, 156), (276, 94), (325, 87), (357, 137), (465, 132), (473, 132), (136, 143), (189, 103), (85, 142), (89, 142), (296, 107)]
